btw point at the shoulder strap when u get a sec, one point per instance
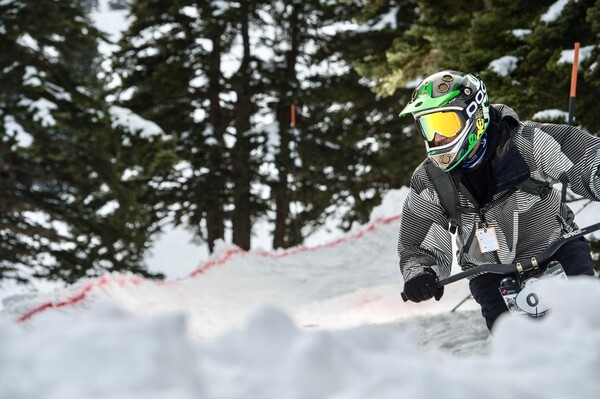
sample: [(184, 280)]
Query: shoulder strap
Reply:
[(447, 192), (535, 187)]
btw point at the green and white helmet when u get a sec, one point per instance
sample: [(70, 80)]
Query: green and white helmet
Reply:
[(450, 104)]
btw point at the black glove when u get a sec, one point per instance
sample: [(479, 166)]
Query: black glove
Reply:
[(423, 286)]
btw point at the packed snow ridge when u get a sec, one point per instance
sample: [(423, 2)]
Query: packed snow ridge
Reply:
[(324, 321)]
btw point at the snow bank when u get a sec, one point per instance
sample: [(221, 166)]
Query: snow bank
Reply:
[(324, 321), (104, 353), (352, 280), (101, 354)]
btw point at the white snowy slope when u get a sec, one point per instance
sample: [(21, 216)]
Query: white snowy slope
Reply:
[(318, 322), (346, 282)]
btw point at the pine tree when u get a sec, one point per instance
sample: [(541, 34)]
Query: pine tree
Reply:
[(291, 22), (538, 79), (176, 78), (156, 72), (249, 137), (349, 145), (65, 213), (360, 145), (482, 35)]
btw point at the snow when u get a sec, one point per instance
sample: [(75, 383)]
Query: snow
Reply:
[(505, 65), (132, 122), (42, 109), (221, 7), (30, 78), (568, 56), (384, 21), (551, 115), (176, 254), (111, 22), (323, 321), (14, 128), (521, 33), (554, 11), (26, 40)]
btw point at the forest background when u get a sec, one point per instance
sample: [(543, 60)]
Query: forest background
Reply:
[(215, 115)]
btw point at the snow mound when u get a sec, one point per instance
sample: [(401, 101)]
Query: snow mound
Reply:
[(324, 321), (105, 353)]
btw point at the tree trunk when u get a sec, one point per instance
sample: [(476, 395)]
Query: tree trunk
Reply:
[(280, 188), (281, 236), (215, 227), (215, 215), (242, 169)]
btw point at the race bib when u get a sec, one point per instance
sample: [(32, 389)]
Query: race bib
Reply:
[(487, 239)]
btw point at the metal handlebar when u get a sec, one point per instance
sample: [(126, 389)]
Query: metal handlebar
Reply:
[(517, 267)]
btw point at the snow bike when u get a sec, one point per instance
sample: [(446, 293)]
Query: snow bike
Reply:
[(519, 288)]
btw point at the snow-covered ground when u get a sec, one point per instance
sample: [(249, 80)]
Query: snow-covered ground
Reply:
[(324, 321)]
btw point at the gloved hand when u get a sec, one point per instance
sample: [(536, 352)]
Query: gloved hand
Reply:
[(423, 286)]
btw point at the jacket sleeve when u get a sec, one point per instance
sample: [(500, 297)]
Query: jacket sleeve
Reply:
[(424, 240), (570, 155)]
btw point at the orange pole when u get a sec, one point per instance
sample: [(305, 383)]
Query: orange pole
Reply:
[(572, 103), (574, 70), (573, 83), (292, 116)]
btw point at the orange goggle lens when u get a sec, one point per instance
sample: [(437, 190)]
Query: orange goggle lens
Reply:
[(447, 124)]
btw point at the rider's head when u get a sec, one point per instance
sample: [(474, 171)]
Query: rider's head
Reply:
[(451, 111)]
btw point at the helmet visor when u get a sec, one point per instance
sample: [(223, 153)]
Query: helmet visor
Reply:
[(445, 123)]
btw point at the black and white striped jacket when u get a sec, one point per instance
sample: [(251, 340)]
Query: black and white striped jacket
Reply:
[(524, 223)]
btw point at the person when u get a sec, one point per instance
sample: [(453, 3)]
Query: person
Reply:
[(502, 170)]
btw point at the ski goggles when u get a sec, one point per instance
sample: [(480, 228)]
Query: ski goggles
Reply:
[(445, 123)]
